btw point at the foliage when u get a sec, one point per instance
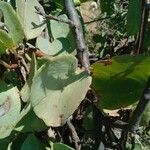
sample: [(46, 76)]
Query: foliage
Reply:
[(42, 84), (116, 82)]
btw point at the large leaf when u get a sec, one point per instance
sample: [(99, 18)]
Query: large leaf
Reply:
[(9, 111), (12, 22), (121, 83), (57, 89), (63, 39), (134, 16), (31, 21)]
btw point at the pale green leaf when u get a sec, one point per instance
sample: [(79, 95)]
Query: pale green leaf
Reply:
[(63, 39), (58, 89), (31, 21), (9, 111)]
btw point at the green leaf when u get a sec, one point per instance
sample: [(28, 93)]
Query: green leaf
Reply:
[(4, 143), (2, 48), (30, 123), (121, 83), (61, 88), (9, 111), (12, 22), (60, 146), (53, 48), (6, 39), (32, 143), (16, 142), (134, 17), (31, 21), (3, 86), (63, 39), (60, 29)]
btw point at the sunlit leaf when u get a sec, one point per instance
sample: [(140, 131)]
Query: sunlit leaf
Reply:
[(11, 20), (31, 21), (63, 39), (61, 88)]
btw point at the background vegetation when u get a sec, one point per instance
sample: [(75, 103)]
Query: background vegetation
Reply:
[(74, 74)]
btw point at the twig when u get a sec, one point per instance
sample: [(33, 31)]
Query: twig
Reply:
[(137, 115), (97, 19), (74, 134), (5, 64), (52, 17), (82, 50)]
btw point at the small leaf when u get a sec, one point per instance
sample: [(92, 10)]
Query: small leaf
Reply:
[(9, 111), (12, 22), (61, 88), (32, 22)]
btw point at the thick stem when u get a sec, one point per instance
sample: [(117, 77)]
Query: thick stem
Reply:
[(82, 50)]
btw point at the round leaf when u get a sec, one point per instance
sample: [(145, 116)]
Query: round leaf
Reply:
[(61, 88)]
